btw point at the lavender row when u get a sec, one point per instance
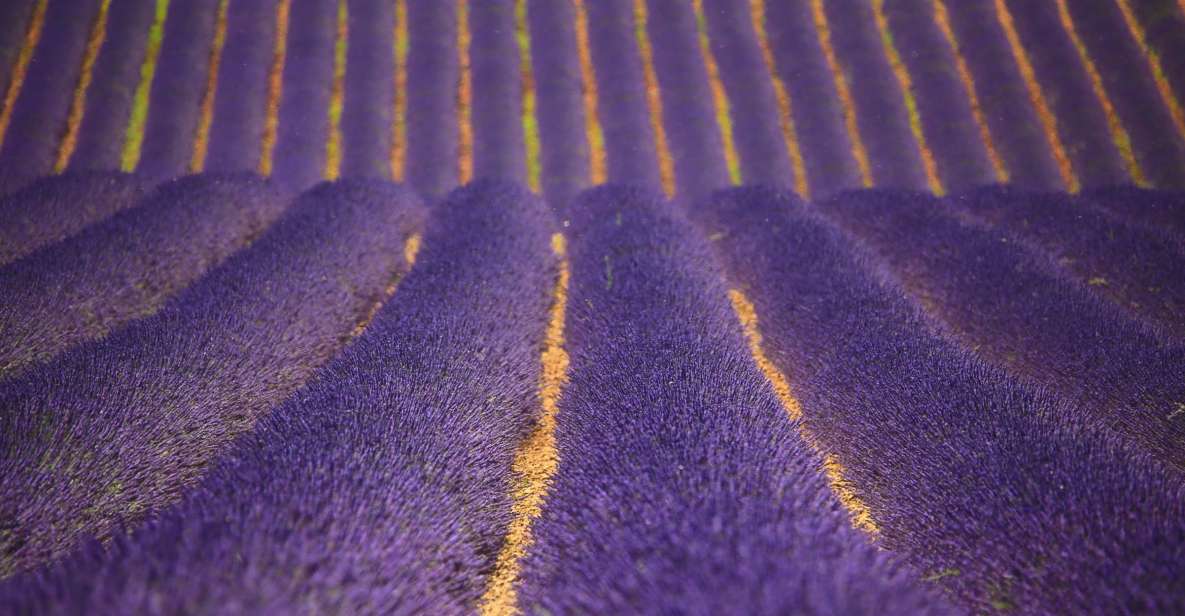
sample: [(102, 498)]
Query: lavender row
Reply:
[(57, 207), (497, 92), (818, 116), (1081, 120), (1130, 85), (240, 103), (1161, 211), (1011, 119), (880, 108), (306, 92), (1136, 269), (752, 101), (30, 143), (368, 90), (113, 431), (629, 140), (14, 21), (432, 78), (1166, 38), (174, 106), (682, 485), (381, 487), (983, 484), (127, 266), (1012, 305), (943, 105), (109, 97), (563, 141), (689, 118)]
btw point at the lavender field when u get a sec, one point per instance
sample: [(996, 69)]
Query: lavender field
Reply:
[(552, 307)]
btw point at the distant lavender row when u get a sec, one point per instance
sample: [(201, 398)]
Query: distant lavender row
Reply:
[(1082, 122), (879, 105), (943, 105), (127, 266), (111, 94), (240, 102), (1130, 85), (1158, 209), (1141, 271), (682, 485), (382, 487), (112, 431), (980, 482), (303, 129), (1012, 305), (14, 21), (178, 85), (39, 113), (54, 208)]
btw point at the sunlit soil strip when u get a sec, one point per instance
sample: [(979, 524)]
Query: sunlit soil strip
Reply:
[(1119, 134), (537, 459), (844, 90), (1158, 76), (719, 97), (1037, 98), (522, 35), (275, 86), (134, 137), (901, 72), (464, 95), (666, 164), (21, 68), (399, 113), (333, 146), (942, 18), (411, 248), (201, 140), (588, 88), (782, 97), (747, 315), (94, 43)]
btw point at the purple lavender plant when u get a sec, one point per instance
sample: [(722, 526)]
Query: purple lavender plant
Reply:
[(57, 207), (683, 486), (127, 266), (985, 485), (381, 487), (1157, 209), (1137, 269), (1015, 308), (115, 430)]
